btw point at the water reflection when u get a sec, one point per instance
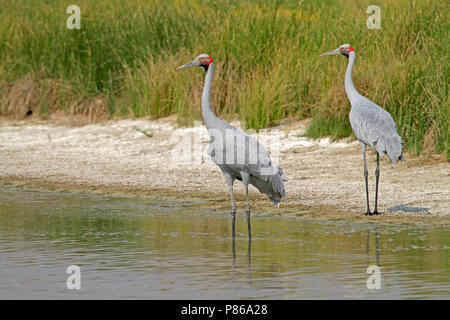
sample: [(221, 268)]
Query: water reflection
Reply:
[(377, 248), (249, 259), (160, 249), (249, 256), (233, 248)]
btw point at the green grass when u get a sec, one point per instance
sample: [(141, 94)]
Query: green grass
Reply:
[(266, 55)]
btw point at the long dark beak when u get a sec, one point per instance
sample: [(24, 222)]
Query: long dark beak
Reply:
[(329, 53), (193, 63)]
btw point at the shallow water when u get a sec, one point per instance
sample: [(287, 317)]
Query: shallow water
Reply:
[(132, 247)]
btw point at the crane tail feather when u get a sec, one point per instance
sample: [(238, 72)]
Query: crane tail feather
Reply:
[(271, 185), (391, 145)]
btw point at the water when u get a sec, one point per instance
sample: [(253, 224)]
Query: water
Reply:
[(132, 247)]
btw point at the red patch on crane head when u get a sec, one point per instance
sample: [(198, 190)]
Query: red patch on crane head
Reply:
[(209, 60), (205, 61), (350, 49)]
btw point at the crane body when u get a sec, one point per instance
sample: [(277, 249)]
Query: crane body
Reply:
[(238, 155), (372, 125)]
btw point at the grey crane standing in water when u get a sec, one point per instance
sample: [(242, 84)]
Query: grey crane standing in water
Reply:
[(371, 124), (238, 155)]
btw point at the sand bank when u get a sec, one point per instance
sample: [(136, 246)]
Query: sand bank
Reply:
[(137, 157)]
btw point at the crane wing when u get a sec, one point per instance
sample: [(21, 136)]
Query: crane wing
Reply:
[(374, 126), (240, 152), (235, 152)]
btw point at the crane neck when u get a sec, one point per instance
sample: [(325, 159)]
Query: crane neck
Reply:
[(207, 113), (349, 87)]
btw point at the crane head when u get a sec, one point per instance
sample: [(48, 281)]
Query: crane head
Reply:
[(345, 50), (202, 60)]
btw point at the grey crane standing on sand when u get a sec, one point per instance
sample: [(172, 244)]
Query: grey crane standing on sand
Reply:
[(371, 124), (238, 155)]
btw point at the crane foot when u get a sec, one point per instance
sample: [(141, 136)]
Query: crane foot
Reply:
[(368, 213), (376, 212)]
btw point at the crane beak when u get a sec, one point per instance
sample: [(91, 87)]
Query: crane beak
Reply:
[(329, 53), (193, 63)]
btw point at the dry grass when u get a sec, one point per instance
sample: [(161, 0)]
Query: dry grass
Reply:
[(42, 97)]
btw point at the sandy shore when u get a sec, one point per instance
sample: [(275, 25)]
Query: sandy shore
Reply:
[(326, 178)]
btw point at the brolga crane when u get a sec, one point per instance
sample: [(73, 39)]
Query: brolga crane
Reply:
[(371, 124), (238, 155)]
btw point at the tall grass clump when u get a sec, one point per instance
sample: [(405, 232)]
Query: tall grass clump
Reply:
[(266, 55)]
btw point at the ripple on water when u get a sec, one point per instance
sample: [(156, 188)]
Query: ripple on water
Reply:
[(134, 247)]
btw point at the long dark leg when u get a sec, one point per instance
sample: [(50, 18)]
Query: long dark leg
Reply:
[(233, 213), (230, 182), (366, 176), (247, 210), (245, 180), (377, 177)]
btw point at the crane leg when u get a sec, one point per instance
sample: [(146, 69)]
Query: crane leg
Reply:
[(233, 213), (366, 177), (245, 179), (377, 177)]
